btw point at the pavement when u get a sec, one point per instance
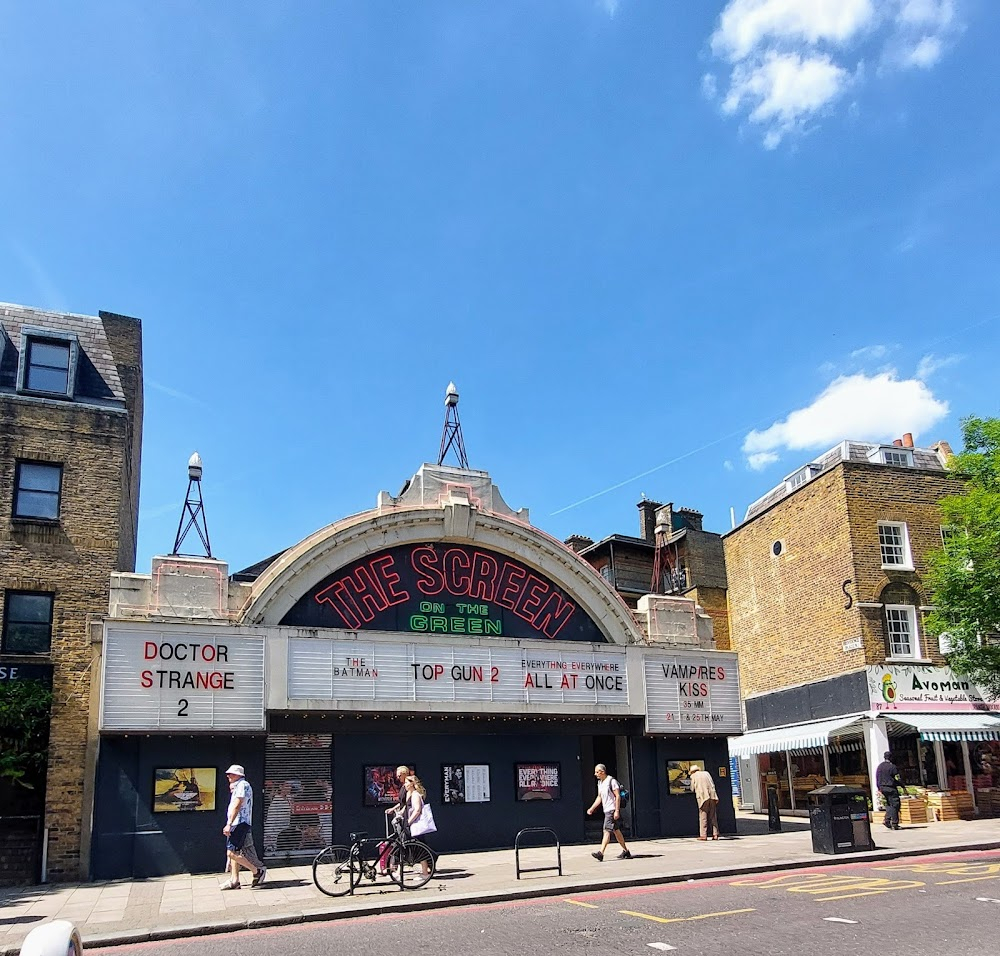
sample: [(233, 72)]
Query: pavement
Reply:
[(120, 912)]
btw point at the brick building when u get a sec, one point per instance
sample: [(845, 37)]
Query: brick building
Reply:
[(693, 563), (70, 441), (827, 600)]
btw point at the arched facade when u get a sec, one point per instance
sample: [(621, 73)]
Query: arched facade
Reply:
[(439, 630)]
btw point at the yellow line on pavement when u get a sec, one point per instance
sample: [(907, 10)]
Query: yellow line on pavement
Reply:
[(682, 919), (589, 906), (968, 879), (849, 896)]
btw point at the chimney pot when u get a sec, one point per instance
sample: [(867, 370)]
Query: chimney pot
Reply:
[(897, 442), (908, 440)]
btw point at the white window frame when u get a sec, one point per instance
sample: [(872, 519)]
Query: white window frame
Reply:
[(910, 613), (906, 562), (882, 455)]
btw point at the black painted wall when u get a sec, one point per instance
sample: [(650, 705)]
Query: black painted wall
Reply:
[(657, 813), (463, 826), (847, 694), (129, 840)]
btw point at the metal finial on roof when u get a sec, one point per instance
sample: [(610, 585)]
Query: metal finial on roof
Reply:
[(451, 435), (193, 510)]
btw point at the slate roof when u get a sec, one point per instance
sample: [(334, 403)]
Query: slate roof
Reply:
[(96, 373), (924, 459)]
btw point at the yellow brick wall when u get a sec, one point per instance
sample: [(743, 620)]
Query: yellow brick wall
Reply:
[(74, 559), (788, 616)]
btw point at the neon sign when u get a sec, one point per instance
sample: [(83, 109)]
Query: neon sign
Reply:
[(444, 589)]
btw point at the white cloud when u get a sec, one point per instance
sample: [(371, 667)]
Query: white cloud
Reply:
[(758, 461), (610, 7), (745, 24), (783, 90), (860, 407), (925, 54), (930, 364), (870, 353), (709, 86), (728, 465), (790, 60)]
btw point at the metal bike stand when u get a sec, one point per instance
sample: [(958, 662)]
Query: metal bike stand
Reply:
[(518, 869)]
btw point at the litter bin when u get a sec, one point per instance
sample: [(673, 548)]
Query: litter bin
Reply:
[(838, 816)]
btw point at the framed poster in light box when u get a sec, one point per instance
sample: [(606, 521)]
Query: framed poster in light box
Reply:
[(679, 775), (183, 789), (465, 783), (381, 786), (538, 781)]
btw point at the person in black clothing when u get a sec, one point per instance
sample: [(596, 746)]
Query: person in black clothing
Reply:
[(888, 782)]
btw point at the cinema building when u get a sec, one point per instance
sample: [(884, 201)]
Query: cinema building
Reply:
[(441, 630)]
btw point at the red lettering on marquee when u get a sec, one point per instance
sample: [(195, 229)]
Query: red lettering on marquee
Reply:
[(430, 580), (482, 584), (510, 583), (384, 570), (454, 561), (554, 615)]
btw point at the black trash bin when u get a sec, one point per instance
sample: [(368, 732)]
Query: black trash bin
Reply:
[(838, 816)]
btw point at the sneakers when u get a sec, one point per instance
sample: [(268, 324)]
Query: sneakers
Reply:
[(259, 876), (624, 855), (598, 855), (230, 885)]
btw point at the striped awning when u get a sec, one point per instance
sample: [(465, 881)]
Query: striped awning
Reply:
[(796, 737), (971, 726)]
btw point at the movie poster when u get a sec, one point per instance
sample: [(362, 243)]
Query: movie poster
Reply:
[(465, 783), (381, 786), (537, 781), (185, 789), (679, 775)]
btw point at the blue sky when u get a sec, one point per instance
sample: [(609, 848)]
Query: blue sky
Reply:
[(692, 242)]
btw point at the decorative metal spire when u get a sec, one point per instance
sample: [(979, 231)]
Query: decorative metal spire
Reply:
[(193, 510), (451, 436)]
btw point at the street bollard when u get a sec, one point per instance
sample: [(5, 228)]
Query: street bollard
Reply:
[(58, 938)]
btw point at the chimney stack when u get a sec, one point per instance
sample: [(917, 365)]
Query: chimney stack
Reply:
[(578, 542), (908, 440), (647, 519), (943, 450)]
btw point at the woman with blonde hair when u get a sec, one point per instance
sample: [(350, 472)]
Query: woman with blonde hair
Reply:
[(416, 794)]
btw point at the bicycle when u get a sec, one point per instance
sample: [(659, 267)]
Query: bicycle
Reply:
[(338, 870)]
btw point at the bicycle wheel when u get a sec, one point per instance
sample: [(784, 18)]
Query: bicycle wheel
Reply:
[(334, 871), (411, 864)]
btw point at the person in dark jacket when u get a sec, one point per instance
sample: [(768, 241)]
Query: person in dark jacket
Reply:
[(888, 781)]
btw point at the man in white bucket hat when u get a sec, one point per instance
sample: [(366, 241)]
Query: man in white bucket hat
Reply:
[(239, 836)]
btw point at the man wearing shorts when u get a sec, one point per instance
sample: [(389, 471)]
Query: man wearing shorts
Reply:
[(609, 797), (239, 838)]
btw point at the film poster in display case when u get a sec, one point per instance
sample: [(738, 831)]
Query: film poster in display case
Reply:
[(538, 781), (183, 789), (679, 775), (465, 783)]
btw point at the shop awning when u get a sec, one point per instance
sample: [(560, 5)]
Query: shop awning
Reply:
[(815, 734), (953, 726)]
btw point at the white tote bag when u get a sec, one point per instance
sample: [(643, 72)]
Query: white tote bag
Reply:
[(424, 823)]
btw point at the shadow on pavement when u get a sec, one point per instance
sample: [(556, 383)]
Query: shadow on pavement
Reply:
[(758, 827), (12, 920), (451, 874)]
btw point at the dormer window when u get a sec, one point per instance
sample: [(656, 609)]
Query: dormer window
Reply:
[(894, 455), (801, 476), (48, 363)]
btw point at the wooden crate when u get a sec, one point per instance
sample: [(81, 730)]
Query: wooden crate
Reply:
[(951, 805), (913, 810)]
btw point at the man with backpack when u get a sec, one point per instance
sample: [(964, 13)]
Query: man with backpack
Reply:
[(609, 796)]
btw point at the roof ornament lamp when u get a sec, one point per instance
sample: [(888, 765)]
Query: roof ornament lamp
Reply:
[(663, 571), (451, 436), (193, 511)]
